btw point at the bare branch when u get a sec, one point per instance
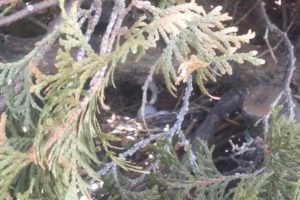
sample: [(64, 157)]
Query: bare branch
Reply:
[(269, 46), (28, 10)]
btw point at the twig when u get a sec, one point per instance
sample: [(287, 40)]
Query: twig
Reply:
[(297, 97), (115, 22), (141, 144), (225, 4), (28, 10), (289, 103), (245, 15), (284, 15), (290, 63), (139, 183), (178, 102), (231, 121), (191, 126), (39, 23), (234, 12), (268, 50), (145, 88), (92, 22), (281, 40), (269, 46), (209, 181), (168, 135), (119, 23), (183, 111), (290, 26)]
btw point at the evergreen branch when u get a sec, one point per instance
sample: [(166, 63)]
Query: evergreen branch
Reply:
[(127, 46), (251, 187), (171, 30), (137, 146), (283, 154), (280, 178), (73, 116), (205, 182), (11, 164), (75, 113), (145, 89), (21, 104), (64, 146), (10, 74)]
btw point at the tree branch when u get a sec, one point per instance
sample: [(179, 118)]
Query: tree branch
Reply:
[(28, 10)]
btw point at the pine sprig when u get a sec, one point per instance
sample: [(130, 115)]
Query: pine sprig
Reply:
[(251, 188), (280, 177), (200, 182), (188, 29), (12, 162), (282, 157), (15, 83)]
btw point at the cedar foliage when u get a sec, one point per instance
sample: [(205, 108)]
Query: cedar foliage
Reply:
[(48, 139)]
